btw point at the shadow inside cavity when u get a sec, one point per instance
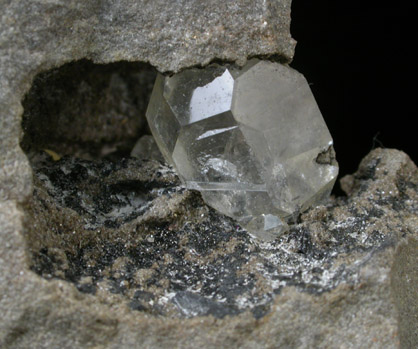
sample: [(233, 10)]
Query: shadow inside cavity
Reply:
[(87, 110), (124, 229)]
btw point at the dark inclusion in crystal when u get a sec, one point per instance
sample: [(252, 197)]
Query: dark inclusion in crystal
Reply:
[(249, 139)]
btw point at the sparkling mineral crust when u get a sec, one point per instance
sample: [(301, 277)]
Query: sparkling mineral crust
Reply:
[(251, 140)]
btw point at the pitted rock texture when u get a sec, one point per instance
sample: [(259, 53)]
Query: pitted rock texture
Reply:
[(163, 258), (38, 36), (113, 242), (44, 304)]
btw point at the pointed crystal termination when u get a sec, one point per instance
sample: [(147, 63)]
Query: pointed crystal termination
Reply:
[(252, 140)]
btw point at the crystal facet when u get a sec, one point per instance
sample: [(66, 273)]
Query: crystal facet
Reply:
[(252, 140)]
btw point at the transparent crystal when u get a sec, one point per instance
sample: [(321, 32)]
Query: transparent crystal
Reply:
[(252, 140)]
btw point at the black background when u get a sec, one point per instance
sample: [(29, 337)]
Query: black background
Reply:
[(359, 60)]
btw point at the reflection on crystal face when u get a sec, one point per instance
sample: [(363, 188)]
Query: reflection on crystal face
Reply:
[(211, 133), (212, 99), (252, 140)]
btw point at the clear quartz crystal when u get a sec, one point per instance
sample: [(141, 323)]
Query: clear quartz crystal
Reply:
[(251, 140)]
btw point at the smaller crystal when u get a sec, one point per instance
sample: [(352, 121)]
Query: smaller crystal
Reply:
[(252, 140), (146, 149)]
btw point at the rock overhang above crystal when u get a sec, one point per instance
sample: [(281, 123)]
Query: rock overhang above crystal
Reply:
[(249, 139)]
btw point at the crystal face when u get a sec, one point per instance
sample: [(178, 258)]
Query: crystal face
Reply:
[(252, 140)]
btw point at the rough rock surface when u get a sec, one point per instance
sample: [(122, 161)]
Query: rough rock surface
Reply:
[(170, 35), (135, 258), (100, 254)]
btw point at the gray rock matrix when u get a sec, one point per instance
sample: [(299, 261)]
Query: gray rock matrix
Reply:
[(170, 35), (344, 276)]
